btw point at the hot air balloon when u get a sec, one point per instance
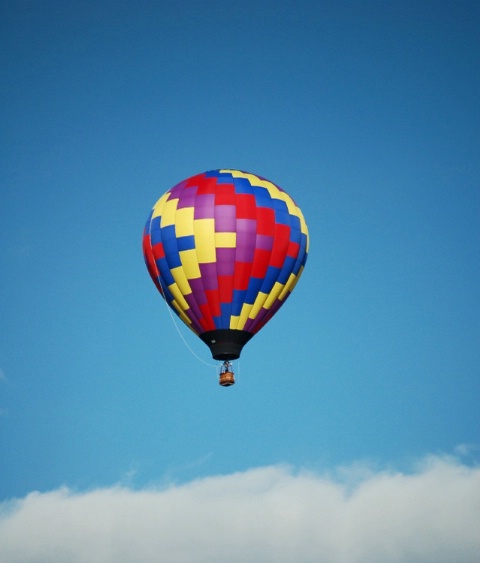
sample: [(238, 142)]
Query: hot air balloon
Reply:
[(225, 249)]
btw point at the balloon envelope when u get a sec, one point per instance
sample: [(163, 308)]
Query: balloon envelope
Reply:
[(225, 249)]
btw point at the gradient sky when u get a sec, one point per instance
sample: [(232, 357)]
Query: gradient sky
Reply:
[(368, 115)]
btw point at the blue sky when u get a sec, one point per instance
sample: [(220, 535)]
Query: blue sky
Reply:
[(367, 114)]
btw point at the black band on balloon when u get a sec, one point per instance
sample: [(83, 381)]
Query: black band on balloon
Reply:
[(226, 344)]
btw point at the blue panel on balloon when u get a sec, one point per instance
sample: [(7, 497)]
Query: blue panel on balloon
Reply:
[(238, 300), (171, 253), (186, 243), (287, 269), (270, 278), (262, 197), (243, 186)]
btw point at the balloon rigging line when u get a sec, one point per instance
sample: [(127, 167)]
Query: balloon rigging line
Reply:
[(183, 338), (166, 303)]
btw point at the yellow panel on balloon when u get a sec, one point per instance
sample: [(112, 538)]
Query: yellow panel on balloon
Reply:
[(169, 213), (291, 282), (257, 306), (225, 240), (158, 207), (177, 294), (182, 315), (273, 295), (181, 280), (204, 231), (190, 265), (184, 222), (244, 313)]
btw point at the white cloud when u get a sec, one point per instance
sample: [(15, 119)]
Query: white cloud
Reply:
[(464, 450), (270, 514)]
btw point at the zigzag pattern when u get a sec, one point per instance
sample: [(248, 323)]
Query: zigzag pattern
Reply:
[(225, 248)]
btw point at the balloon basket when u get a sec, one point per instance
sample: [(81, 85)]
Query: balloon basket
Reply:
[(226, 379)]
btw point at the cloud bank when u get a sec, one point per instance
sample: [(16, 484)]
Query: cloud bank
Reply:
[(269, 514)]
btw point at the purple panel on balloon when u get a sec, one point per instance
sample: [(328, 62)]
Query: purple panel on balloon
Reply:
[(192, 303), (198, 291), (246, 240), (187, 198), (176, 192), (245, 251), (209, 276), (204, 206), (264, 242), (225, 219), (225, 261), (246, 226)]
